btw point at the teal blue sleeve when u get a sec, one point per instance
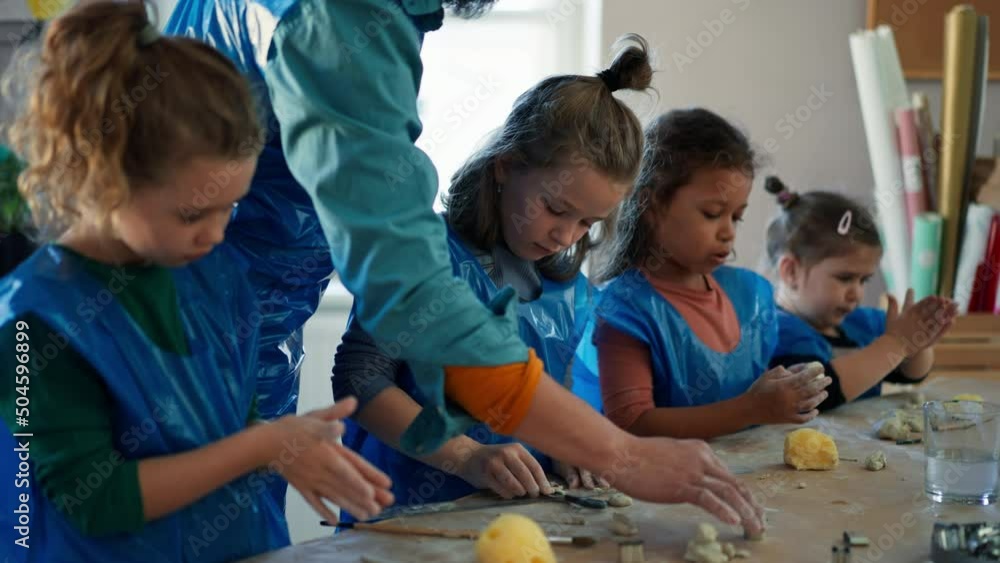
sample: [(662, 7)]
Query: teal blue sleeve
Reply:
[(343, 77)]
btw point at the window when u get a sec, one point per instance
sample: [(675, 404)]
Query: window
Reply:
[(475, 69)]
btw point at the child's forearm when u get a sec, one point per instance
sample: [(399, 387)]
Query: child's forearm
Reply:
[(389, 414), (862, 370), (171, 482), (919, 365), (703, 422)]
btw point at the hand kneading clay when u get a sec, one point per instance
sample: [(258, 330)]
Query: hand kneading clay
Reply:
[(806, 448), (513, 538)]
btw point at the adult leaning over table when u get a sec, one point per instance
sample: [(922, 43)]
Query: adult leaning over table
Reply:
[(339, 79)]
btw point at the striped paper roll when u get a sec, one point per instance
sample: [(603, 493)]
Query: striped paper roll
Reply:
[(913, 179), (990, 275), (884, 156), (926, 255), (976, 232), (928, 154), (959, 61)]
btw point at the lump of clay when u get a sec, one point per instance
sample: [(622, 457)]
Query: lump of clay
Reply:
[(900, 425), (806, 448), (619, 500), (704, 547), (622, 525), (513, 538), (875, 461), (968, 397)]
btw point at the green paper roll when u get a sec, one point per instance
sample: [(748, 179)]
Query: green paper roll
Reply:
[(925, 264)]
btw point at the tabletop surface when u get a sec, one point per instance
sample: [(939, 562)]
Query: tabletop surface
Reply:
[(807, 510)]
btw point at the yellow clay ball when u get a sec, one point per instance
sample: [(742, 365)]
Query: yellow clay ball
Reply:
[(513, 538), (806, 448)]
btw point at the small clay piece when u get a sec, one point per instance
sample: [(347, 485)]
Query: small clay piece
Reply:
[(619, 500), (729, 549), (875, 461), (900, 425), (573, 520), (622, 525), (801, 485), (918, 399), (708, 553), (763, 476), (706, 533), (704, 547)]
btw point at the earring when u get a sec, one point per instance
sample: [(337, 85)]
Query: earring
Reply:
[(499, 188)]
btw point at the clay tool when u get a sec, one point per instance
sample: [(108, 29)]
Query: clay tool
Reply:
[(385, 528)]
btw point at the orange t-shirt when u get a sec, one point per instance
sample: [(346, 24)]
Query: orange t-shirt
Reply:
[(624, 363), (500, 396)]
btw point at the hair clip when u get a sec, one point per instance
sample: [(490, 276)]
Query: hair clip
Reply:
[(844, 226)]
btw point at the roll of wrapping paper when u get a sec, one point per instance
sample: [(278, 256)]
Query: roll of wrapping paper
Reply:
[(913, 180), (926, 255), (928, 152), (974, 237), (884, 156), (991, 268), (890, 71), (975, 116), (961, 26)]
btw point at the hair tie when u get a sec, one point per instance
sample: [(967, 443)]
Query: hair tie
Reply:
[(610, 79), (787, 198), (148, 34)]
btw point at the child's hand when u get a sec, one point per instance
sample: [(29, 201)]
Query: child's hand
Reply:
[(577, 476), (921, 325), (788, 395), (310, 459), (509, 470)]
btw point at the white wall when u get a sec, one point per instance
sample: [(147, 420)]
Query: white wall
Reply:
[(763, 60)]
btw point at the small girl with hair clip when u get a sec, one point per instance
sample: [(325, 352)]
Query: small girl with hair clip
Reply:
[(682, 340), (519, 214), (826, 248), (135, 375)]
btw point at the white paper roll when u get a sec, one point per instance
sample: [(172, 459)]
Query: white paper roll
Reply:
[(890, 71), (883, 152), (977, 230)]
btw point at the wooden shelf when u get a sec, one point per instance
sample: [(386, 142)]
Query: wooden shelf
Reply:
[(973, 344)]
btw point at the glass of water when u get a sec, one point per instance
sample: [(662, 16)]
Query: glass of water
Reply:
[(962, 443)]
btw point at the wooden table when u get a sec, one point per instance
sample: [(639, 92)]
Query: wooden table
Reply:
[(807, 510)]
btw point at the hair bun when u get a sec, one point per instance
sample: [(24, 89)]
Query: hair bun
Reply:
[(774, 185), (630, 68), (786, 197)]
